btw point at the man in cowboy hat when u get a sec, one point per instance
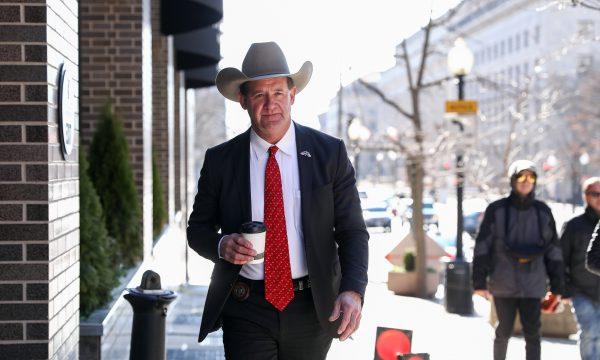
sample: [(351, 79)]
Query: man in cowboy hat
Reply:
[(300, 183)]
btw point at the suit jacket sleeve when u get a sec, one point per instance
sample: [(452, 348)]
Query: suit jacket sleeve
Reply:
[(592, 259), (204, 223), (349, 227)]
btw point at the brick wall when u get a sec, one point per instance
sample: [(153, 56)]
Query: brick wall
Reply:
[(113, 51), (39, 203)]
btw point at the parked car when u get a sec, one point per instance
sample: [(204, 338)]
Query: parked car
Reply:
[(472, 221), (378, 215), (430, 216)]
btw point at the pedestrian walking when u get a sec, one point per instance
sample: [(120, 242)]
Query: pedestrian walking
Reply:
[(299, 182), (516, 252), (582, 286)]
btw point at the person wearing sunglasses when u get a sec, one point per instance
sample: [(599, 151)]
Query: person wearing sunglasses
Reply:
[(582, 286), (516, 252)]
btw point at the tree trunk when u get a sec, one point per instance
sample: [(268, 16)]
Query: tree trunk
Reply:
[(416, 173)]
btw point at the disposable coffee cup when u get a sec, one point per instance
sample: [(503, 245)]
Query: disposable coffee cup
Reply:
[(255, 232)]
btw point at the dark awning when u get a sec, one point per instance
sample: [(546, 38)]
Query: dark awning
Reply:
[(197, 48), (179, 16), (201, 77)]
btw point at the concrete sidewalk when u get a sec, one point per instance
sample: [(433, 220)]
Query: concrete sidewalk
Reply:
[(444, 336), (183, 323)]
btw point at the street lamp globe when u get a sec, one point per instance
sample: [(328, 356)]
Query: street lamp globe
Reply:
[(354, 130), (365, 133), (460, 58), (584, 159)]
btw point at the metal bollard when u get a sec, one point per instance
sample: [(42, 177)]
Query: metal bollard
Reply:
[(150, 305)]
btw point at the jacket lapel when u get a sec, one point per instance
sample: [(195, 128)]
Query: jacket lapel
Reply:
[(242, 175), (305, 169)]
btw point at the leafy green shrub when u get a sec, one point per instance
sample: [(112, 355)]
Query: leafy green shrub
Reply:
[(97, 277), (112, 177), (159, 212), (409, 261)]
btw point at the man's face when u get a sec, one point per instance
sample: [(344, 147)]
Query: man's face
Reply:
[(525, 183), (592, 197), (269, 104)]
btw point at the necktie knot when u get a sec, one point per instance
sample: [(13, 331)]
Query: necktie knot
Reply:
[(273, 150)]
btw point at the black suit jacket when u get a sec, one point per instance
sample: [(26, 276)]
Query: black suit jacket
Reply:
[(335, 237)]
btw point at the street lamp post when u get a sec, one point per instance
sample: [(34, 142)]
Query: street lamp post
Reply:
[(458, 290), (356, 132)]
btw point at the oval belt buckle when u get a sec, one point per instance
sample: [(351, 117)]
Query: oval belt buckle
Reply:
[(240, 291)]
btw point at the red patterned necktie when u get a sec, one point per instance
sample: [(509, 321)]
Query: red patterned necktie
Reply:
[(279, 289)]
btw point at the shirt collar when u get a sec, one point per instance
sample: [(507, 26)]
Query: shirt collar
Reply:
[(287, 144)]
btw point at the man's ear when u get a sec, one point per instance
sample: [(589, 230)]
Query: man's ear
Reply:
[(242, 101), (293, 95)]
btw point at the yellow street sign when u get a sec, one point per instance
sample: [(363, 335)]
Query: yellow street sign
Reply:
[(461, 106)]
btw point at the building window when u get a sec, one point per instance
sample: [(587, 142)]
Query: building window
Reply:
[(536, 34), (585, 29), (502, 48), (517, 42), (488, 53), (510, 48), (495, 51), (584, 62), (525, 39), (526, 69)]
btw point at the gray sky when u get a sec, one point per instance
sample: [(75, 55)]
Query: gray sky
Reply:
[(354, 38)]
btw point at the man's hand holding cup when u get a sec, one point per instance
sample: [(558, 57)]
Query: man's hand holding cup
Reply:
[(247, 247), (237, 250)]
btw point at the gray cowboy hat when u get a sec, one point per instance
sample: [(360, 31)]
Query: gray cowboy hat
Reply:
[(262, 61)]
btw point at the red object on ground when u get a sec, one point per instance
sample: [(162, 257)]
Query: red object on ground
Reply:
[(392, 343)]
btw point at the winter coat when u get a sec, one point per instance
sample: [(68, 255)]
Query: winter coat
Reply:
[(512, 264), (575, 241), (592, 261)]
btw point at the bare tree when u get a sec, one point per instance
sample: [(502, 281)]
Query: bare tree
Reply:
[(413, 146)]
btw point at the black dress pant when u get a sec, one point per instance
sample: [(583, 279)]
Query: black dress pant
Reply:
[(529, 312), (254, 330)]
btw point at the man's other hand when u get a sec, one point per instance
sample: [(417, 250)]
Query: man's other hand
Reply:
[(347, 305)]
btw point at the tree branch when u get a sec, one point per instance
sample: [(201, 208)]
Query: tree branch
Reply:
[(424, 54), (407, 65), (437, 82), (385, 99)]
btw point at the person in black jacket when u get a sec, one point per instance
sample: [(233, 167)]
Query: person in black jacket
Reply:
[(582, 286), (516, 251)]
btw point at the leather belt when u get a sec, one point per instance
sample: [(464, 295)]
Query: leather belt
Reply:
[(241, 288)]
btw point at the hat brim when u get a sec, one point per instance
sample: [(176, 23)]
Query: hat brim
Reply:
[(228, 80)]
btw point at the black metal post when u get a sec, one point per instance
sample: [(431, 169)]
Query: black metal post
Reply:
[(150, 304), (356, 162), (460, 181), (457, 286)]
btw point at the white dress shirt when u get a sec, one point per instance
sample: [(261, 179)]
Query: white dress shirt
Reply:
[(287, 159)]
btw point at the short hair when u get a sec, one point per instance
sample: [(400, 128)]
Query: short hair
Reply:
[(589, 182), (244, 86)]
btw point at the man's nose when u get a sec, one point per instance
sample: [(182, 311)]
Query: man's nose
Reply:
[(269, 101)]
